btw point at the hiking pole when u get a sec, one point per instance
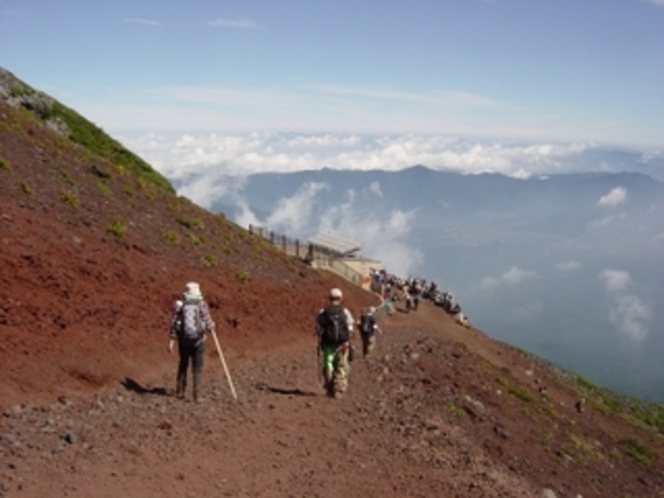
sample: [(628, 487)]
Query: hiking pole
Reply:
[(223, 363)]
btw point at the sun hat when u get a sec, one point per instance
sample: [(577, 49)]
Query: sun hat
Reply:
[(192, 291), (336, 293)]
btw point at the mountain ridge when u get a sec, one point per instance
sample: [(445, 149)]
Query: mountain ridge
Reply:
[(505, 247)]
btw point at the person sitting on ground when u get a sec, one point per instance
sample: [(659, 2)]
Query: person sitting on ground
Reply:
[(334, 327)]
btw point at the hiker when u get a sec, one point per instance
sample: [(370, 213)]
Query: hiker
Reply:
[(415, 292), (191, 320), (409, 301), (387, 304), (334, 326), (462, 319), (368, 329)]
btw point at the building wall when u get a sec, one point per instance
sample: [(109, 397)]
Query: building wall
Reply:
[(362, 266)]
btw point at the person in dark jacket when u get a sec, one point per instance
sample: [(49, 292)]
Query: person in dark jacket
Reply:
[(368, 328)]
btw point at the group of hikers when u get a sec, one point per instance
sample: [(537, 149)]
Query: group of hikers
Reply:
[(412, 290), (334, 325)]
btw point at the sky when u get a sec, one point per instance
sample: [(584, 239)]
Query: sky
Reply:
[(511, 86)]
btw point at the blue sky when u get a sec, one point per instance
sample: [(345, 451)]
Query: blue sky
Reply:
[(363, 84)]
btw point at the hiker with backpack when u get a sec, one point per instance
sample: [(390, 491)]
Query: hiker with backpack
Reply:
[(334, 326), (191, 320), (368, 329), (415, 292)]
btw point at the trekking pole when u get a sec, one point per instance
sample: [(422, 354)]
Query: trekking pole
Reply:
[(223, 363)]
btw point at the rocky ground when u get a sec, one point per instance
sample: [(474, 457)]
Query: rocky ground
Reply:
[(426, 415), (85, 397)]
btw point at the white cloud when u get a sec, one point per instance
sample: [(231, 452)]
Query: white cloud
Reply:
[(568, 266), (513, 276), (232, 23), (246, 216), (628, 312), (516, 275), (293, 213), (383, 237), (203, 191), (631, 316), (147, 22), (615, 280), (241, 154), (659, 3), (386, 241), (449, 98), (617, 196), (375, 188)]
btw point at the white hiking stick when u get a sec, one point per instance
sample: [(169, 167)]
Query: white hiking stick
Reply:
[(223, 363)]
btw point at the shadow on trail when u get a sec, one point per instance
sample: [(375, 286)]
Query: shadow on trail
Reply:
[(261, 386), (132, 385)]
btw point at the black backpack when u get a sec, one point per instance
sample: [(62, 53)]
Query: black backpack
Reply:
[(367, 325), (334, 325)]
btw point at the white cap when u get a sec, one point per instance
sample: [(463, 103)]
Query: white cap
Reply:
[(192, 291), (336, 293)]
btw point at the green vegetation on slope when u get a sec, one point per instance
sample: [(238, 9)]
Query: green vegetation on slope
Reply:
[(96, 140), (79, 129)]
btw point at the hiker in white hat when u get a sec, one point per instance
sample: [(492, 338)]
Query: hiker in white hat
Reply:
[(191, 320), (334, 326)]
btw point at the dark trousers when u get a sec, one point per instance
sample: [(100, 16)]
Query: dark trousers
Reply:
[(194, 353)]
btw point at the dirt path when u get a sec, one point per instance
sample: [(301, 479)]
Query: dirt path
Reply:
[(282, 437)]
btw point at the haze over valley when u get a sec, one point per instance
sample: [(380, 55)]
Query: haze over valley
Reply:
[(566, 266)]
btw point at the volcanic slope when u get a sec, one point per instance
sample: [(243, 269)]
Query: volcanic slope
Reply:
[(92, 258)]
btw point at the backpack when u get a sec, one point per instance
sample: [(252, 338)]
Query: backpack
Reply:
[(334, 324), (191, 325), (366, 325)]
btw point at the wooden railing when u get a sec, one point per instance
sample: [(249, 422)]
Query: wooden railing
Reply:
[(313, 255)]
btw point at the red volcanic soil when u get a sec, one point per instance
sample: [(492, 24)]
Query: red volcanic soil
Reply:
[(90, 264)]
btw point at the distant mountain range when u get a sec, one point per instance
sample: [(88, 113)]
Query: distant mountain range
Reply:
[(567, 266)]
